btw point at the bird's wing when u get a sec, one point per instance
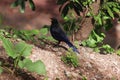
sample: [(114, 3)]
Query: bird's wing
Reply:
[(59, 32)]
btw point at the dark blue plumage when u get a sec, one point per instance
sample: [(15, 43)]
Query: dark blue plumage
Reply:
[(59, 34)]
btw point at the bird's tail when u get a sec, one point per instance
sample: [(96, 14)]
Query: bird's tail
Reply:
[(72, 46)]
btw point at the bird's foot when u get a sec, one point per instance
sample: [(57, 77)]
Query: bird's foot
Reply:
[(55, 45)]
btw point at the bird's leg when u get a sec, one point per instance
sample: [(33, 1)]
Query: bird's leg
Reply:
[(56, 45)]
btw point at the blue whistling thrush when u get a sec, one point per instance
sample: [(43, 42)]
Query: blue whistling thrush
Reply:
[(59, 35)]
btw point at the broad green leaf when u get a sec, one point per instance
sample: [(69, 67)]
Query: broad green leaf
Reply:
[(1, 70), (24, 63), (37, 66), (27, 50), (110, 12), (9, 47), (100, 20), (91, 43), (22, 6), (106, 17), (96, 49), (35, 31), (84, 43), (50, 38), (98, 38), (108, 49), (30, 32), (23, 48), (32, 5), (21, 64), (43, 31), (118, 52), (116, 10)]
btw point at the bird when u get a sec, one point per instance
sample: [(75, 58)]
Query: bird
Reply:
[(59, 35)]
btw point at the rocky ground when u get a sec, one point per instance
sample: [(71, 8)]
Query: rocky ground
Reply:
[(93, 66)]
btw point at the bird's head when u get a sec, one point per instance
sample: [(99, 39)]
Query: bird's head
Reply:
[(54, 21)]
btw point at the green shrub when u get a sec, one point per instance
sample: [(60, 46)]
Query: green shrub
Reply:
[(71, 59), (95, 41), (18, 52)]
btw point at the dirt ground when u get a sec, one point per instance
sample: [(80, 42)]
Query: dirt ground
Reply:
[(93, 66)]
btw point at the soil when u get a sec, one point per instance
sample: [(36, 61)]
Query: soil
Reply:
[(93, 66)]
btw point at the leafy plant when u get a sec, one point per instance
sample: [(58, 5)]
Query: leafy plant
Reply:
[(8, 32), (95, 41), (18, 53), (76, 5), (71, 59), (70, 24), (84, 78), (1, 70), (118, 52), (44, 34), (22, 4), (108, 10), (27, 35)]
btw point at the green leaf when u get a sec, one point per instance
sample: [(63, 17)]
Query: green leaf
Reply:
[(15, 4), (23, 48), (106, 17), (110, 12), (118, 52), (108, 49), (9, 47), (116, 10), (100, 20), (22, 6), (30, 32), (91, 43), (65, 10), (98, 38), (60, 2), (97, 49), (71, 58), (21, 64), (24, 63), (1, 70), (37, 66), (44, 31), (84, 43), (32, 5)]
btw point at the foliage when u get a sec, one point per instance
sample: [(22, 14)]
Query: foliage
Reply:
[(1, 70), (71, 59), (43, 34), (18, 52), (71, 23), (27, 35), (84, 78), (118, 52), (95, 41), (76, 5), (22, 4), (108, 10)]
